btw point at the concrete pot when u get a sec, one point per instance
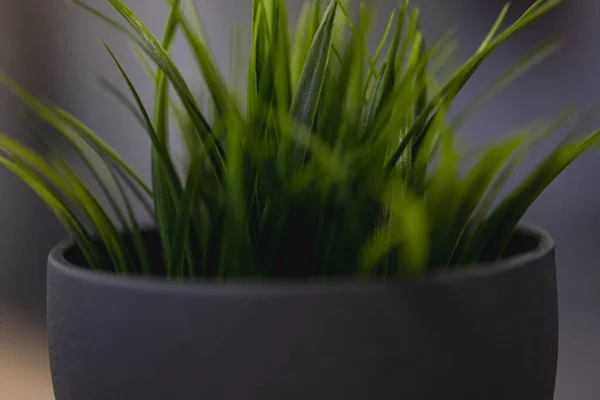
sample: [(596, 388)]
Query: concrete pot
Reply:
[(488, 332)]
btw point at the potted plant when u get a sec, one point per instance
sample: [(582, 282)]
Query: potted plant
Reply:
[(328, 239)]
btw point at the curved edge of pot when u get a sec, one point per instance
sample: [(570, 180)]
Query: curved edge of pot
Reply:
[(480, 333), (544, 249)]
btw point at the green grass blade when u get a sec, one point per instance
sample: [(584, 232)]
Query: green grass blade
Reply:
[(70, 221), (471, 191), (331, 126), (340, 29), (236, 66), (422, 79), (63, 122), (183, 223), (374, 102), (336, 54), (121, 99), (548, 4), (353, 107), (184, 122), (103, 148), (107, 231), (142, 197), (210, 72), (454, 85), (442, 53), (306, 98), (385, 85), (536, 133), (161, 57), (423, 157), (402, 242), (131, 226), (282, 54), (167, 187), (344, 10), (158, 139), (515, 71), (301, 43), (235, 227), (158, 54), (316, 17), (410, 32), (442, 197), (189, 9), (495, 28), (167, 194), (498, 228), (144, 61), (420, 87), (257, 58), (103, 17), (382, 44), (33, 162), (70, 186), (450, 90), (91, 149)]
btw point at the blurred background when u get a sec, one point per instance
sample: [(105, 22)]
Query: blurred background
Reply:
[(52, 49)]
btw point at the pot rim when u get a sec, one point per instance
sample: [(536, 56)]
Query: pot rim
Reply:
[(545, 248)]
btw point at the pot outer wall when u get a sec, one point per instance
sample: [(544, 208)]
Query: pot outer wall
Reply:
[(487, 333)]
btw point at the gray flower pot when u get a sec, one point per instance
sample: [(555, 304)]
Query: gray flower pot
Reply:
[(484, 333)]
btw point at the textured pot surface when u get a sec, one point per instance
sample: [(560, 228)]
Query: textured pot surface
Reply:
[(484, 333)]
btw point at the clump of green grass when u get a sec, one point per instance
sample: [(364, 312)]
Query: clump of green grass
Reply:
[(337, 161)]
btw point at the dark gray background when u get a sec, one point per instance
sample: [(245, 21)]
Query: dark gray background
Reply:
[(52, 49)]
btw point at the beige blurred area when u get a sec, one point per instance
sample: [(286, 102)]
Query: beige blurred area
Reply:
[(24, 369), (26, 55)]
